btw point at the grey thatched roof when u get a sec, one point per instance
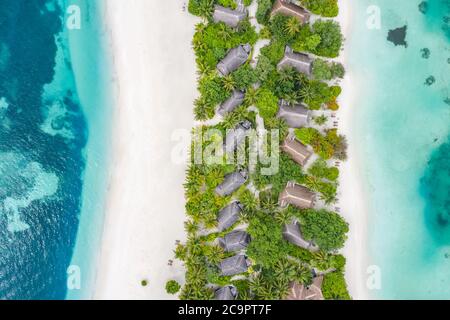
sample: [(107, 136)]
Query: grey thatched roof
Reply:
[(236, 99), (229, 215), (292, 233), (235, 241), (231, 183), (301, 292), (228, 16), (226, 293), (297, 195), (236, 136), (285, 7), (235, 58), (296, 150), (295, 116), (234, 265), (299, 61)]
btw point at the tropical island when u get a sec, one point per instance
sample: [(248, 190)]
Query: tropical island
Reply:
[(253, 235)]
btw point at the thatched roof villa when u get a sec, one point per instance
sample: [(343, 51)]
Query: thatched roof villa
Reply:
[(231, 183), (296, 195), (235, 58), (235, 241), (229, 215), (296, 150), (293, 234), (299, 61), (312, 292), (287, 8), (236, 136), (226, 293), (234, 101), (234, 265), (230, 17), (295, 116)]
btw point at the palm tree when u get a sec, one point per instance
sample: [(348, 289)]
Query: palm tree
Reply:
[(224, 32), (195, 246), (312, 183), (284, 270), (302, 274), (292, 26), (214, 254), (251, 96), (214, 176), (287, 74), (202, 69), (181, 252), (228, 83), (210, 222), (283, 217), (321, 260), (205, 9), (191, 227), (306, 92), (200, 27), (291, 98)]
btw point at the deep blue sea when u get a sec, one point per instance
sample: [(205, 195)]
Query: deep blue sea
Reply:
[(51, 100), (402, 122)]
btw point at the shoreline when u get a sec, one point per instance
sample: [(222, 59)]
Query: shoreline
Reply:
[(352, 199), (136, 245)]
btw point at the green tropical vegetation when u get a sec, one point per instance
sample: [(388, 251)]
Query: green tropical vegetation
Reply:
[(275, 262), (172, 287)]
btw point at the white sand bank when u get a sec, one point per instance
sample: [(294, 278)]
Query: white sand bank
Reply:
[(156, 84)]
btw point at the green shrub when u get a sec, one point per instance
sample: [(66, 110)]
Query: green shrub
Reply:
[(327, 229), (330, 38), (267, 246), (323, 70), (201, 8), (244, 77), (263, 11), (288, 171), (320, 169), (334, 287), (325, 8), (172, 287), (267, 103)]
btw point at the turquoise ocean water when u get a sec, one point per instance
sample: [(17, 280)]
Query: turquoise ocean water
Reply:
[(55, 109), (402, 130)]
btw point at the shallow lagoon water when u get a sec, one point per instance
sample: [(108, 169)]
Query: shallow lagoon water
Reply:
[(402, 125), (53, 146)]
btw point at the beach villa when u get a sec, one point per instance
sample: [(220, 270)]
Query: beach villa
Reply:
[(234, 101), (301, 292), (229, 215), (232, 182), (226, 293), (236, 136), (235, 241), (297, 195), (234, 265), (295, 116), (292, 233), (230, 17), (299, 61), (296, 150), (287, 8), (235, 58)]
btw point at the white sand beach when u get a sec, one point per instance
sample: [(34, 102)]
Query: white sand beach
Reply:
[(351, 196), (156, 84)]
